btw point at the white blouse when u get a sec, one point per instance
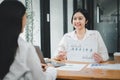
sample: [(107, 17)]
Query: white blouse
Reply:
[(27, 60), (82, 50)]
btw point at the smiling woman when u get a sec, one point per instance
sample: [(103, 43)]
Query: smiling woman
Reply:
[(82, 44)]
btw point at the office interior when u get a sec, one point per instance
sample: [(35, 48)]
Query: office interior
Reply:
[(51, 19)]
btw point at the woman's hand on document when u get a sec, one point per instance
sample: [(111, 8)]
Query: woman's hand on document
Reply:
[(61, 56), (44, 66), (98, 58)]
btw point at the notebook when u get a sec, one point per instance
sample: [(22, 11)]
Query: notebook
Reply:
[(40, 54)]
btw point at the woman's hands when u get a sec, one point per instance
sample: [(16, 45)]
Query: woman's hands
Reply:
[(97, 57), (61, 56), (44, 66)]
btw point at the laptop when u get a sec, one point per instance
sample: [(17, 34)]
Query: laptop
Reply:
[(40, 54), (41, 57)]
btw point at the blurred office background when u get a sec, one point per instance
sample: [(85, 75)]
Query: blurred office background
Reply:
[(49, 20)]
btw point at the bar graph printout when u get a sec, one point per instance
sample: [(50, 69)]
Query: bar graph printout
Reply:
[(105, 66)]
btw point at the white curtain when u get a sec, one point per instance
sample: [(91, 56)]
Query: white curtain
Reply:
[(32, 29)]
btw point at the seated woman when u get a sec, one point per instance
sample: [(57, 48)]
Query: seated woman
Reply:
[(82, 44), (18, 59)]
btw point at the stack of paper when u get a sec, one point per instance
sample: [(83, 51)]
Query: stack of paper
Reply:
[(72, 67)]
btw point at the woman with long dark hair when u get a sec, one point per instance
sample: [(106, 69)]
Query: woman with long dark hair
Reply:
[(82, 44), (17, 57)]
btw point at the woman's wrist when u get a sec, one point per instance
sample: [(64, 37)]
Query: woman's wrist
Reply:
[(56, 58)]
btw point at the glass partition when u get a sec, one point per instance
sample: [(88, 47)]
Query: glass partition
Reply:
[(105, 21)]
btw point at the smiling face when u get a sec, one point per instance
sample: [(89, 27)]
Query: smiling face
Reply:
[(79, 21)]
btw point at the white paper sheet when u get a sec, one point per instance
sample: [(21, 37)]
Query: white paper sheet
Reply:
[(104, 66), (80, 51), (72, 67), (82, 57)]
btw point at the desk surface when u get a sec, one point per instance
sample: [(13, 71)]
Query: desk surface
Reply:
[(89, 74)]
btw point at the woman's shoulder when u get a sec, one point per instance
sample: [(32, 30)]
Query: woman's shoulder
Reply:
[(24, 46), (69, 34), (93, 32), (23, 43)]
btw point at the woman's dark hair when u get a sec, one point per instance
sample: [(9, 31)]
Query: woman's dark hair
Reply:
[(83, 11), (11, 14)]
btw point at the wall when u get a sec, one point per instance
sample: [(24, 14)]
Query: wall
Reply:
[(56, 22), (70, 12)]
